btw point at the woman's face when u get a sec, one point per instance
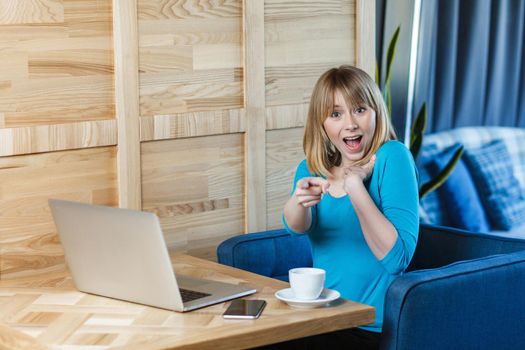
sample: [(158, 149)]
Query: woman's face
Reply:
[(350, 131)]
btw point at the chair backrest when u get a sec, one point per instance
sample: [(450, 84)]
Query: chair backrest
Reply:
[(268, 253), (438, 246), (273, 253)]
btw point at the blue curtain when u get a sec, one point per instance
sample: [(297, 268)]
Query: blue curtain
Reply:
[(471, 66)]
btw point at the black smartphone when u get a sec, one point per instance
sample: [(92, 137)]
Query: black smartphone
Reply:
[(243, 308)]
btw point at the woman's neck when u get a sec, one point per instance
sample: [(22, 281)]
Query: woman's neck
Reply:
[(336, 173), (336, 180)]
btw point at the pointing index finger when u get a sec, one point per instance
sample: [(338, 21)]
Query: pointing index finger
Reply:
[(323, 183), (308, 182)]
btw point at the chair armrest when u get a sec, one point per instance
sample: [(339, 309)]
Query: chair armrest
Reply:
[(439, 246), (476, 304), (268, 253)]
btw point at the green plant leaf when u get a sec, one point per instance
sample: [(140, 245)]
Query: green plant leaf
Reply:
[(418, 130), (419, 125), (415, 145), (439, 179), (391, 53)]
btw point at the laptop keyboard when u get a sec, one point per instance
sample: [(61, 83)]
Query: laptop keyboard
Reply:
[(189, 295)]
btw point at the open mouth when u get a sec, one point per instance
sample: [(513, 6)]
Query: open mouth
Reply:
[(353, 142)]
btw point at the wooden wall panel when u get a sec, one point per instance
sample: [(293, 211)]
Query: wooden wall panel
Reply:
[(57, 62), (29, 244), (286, 116), (365, 31), (57, 137), (28, 11), (190, 56), (255, 145), (284, 151), (302, 41), (127, 102), (182, 125), (195, 186), (220, 98), (56, 93)]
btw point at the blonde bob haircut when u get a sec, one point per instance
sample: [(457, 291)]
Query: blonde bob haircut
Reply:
[(358, 90)]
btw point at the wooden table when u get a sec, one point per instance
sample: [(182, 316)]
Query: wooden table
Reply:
[(36, 316)]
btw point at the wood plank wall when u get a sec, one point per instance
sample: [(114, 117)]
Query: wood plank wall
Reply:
[(58, 132), (208, 100)]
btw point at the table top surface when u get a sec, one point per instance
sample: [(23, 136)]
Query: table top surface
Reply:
[(49, 313)]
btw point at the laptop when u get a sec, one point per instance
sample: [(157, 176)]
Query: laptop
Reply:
[(121, 254)]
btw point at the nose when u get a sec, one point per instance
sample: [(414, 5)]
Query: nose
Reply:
[(351, 123)]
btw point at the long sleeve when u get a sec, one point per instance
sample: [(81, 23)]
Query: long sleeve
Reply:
[(399, 198)]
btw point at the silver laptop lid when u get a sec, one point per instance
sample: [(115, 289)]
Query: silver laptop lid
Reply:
[(117, 253)]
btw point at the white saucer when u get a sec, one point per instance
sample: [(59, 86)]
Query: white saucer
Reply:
[(327, 295)]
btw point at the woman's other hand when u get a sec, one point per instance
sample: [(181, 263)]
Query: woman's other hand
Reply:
[(357, 174)]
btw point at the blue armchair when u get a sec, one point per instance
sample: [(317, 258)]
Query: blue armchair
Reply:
[(462, 290)]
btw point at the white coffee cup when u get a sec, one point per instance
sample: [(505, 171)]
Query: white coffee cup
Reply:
[(307, 282)]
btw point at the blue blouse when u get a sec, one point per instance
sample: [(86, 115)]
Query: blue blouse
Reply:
[(338, 244)]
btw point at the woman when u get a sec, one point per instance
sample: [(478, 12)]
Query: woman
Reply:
[(355, 195)]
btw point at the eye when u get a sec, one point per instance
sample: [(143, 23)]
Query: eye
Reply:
[(360, 110), (335, 115)]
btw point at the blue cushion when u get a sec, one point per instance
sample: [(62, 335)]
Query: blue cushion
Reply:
[(491, 169), (462, 203), (433, 209)]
